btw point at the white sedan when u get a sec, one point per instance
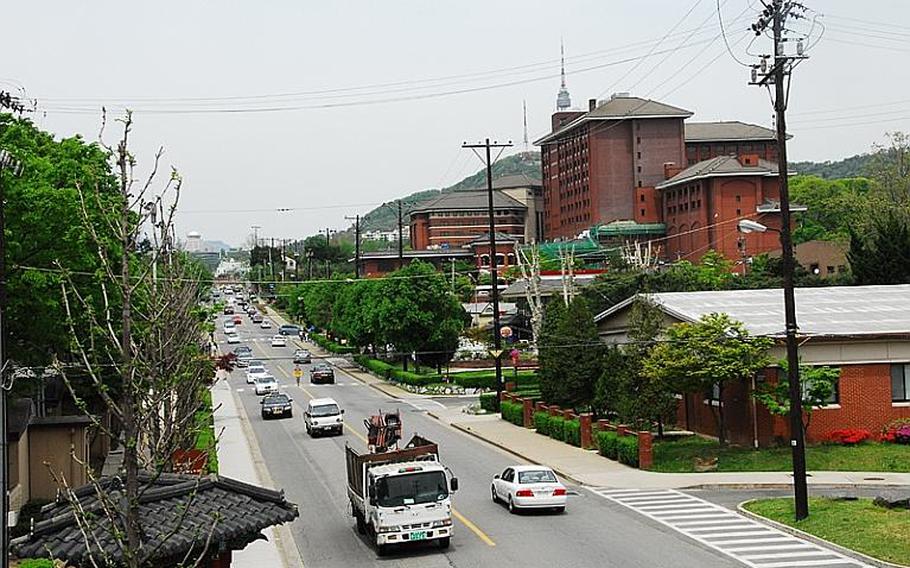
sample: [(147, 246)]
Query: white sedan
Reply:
[(266, 324), (254, 372), (232, 337), (279, 341), (266, 385), (529, 487)]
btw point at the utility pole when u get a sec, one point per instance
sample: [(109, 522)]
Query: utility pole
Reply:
[(10, 164), (400, 237), (494, 277), (356, 220), (297, 260), (776, 14), (255, 234), (328, 244), (272, 261)]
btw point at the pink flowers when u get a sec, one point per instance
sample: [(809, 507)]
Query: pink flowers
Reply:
[(897, 432)]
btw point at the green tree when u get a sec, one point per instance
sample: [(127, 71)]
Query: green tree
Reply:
[(833, 207), (705, 355), (580, 355), (356, 312), (551, 355), (818, 386), (882, 255), (890, 168)]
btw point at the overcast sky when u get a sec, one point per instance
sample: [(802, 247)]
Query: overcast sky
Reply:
[(331, 135)]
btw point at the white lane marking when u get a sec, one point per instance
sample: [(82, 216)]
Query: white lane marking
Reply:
[(748, 541)]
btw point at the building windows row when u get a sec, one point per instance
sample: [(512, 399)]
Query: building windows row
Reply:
[(900, 382)]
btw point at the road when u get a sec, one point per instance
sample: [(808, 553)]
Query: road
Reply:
[(595, 530)]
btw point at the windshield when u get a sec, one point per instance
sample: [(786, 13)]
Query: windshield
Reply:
[(412, 489), (325, 410), (254, 369), (541, 476), (277, 399), (267, 380)]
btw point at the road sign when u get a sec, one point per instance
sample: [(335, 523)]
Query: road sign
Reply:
[(505, 331), (496, 353)]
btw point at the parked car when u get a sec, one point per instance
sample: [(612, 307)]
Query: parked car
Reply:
[(257, 318), (255, 372), (266, 385), (302, 356), (529, 487), (322, 373), (279, 341), (232, 337), (289, 329), (276, 404), (265, 324), (323, 415)]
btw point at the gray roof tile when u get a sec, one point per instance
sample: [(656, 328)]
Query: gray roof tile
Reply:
[(727, 131), (469, 200), (720, 166)]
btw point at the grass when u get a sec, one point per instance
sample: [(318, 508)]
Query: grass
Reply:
[(679, 457), (858, 525), (205, 435)]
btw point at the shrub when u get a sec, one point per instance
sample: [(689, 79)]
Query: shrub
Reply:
[(556, 428), (542, 423), (608, 444), (413, 379), (572, 432), (37, 563), (628, 450), (849, 436), (474, 382), (488, 401), (897, 431), (375, 366), (512, 412)]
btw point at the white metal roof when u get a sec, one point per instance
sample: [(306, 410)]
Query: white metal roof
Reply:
[(830, 311)]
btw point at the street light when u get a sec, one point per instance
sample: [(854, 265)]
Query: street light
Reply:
[(797, 436)]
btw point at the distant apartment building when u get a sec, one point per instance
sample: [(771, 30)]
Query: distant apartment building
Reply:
[(386, 236), (454, 219)]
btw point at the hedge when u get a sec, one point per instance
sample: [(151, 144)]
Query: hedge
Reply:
[(542, 423), (556, 428), (628, 450), (413, 379), (330, 345), (375, 366), (572, 432), (512, 412), (608, 444), (488, 401)]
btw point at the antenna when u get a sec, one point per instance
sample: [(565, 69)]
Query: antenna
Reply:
[(563, 100), (524, 108)]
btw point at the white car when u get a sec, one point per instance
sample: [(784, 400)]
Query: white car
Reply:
[(266, 385), (279, 341), (254, 372), (323, 415), (232, 337), (229, 326), (266, 324), (529, 487)]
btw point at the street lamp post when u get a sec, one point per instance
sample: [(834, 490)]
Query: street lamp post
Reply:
[(797, 434)]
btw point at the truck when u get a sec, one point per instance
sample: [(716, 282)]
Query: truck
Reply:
[(401, 495)]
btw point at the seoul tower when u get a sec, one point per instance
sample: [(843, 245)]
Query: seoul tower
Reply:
[(563, 101)]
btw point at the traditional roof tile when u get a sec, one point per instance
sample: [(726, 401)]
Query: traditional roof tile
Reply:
[(720, 166), (727, 131), (471, 200)]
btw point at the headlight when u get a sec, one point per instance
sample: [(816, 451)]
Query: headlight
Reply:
[(444, 523), (393, 528)]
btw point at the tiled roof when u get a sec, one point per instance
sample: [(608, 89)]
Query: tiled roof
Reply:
[(510, 181), (471, 200), (484, 239), (727, 131), (833, 311), (720, 166), (178, 512), (621, 108)]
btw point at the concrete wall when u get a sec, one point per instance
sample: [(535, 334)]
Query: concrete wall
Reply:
[(18, 473), (53, 444)]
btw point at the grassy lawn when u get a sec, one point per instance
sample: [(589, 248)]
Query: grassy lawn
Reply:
[(679, 457), (858, 525), (205, 436)]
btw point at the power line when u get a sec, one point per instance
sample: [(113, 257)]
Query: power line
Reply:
[(723, 33)]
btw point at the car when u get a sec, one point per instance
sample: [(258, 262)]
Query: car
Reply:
[(323, 415), (251, 310), (302, 356), (257, 318), (279, 341), (529, 487), (265, 385), (276, 404), (238, 320), (255, 371), (289, 329), (232, 337), (228, 310), (244, 355), (229, 326), (322, 373), (265, 324)]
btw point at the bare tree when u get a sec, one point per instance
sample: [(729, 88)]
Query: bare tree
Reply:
[(147, 359)]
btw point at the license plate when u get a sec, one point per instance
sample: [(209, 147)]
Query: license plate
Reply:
[(418, 535)]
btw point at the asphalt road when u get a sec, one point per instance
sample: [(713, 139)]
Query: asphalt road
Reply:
[(592, 532)]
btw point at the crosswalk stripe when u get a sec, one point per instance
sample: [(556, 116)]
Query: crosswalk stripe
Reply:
[(746, 540)]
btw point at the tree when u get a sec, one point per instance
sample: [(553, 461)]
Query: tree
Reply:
[(890, 168), (818, 385), (580, 355), (550, 351), (705, 355), (833, 207), (882, 254)]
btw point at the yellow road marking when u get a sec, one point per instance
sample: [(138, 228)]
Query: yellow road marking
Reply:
[(473, 528), (461, 518)]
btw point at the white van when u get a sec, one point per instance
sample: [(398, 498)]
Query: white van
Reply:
[(323, 415)]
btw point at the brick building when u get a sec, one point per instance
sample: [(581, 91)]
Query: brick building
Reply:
[(602, 165), (454, 219), (701, 205), (863, 331), (706, 140), (380, 263)]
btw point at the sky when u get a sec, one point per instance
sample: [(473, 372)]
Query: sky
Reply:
[(329, 109)]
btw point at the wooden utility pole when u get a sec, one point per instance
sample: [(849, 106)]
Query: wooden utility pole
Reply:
[(400, 237), (356, 220)]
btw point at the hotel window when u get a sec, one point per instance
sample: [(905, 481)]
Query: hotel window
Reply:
[(900, 382)]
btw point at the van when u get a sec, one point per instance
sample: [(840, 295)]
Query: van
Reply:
[(323, 415)]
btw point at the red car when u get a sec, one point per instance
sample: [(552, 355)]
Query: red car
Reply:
[(238, 320)]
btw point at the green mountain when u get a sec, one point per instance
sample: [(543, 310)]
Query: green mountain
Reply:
[(385, 217), (854, 166)]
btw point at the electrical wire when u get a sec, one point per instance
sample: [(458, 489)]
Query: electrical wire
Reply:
[(723, 33)]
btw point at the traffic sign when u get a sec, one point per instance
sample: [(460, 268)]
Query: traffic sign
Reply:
[(505, 331), (496, 353)]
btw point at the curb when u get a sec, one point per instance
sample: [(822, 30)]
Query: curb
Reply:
[(815, 539)]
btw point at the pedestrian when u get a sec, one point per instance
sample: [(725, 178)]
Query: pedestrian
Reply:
[(297, 374)]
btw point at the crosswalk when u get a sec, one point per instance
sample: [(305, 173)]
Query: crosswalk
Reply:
[(730, 533)]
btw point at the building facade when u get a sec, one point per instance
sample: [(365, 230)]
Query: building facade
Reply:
[(454, 219), (706, 140)]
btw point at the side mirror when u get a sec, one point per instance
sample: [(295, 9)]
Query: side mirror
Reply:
[(496, 476), (290, 400), (371, 493), (261, 401), (342, 411), (453, 485)]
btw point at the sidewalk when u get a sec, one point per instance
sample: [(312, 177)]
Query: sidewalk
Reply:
[(586, 467), (239, 459)]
